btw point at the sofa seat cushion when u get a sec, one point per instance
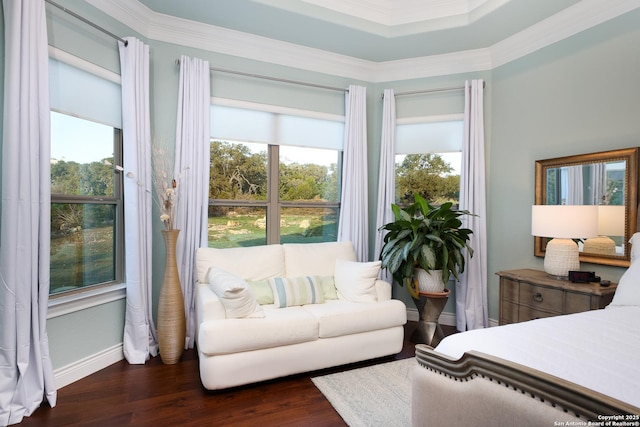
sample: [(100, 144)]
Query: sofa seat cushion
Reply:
[(337, 318), (279, 327)]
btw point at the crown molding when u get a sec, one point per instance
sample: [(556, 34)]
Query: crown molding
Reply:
[(571, 21), (132, 14), (400, 12), (160, 27), (433, 66)]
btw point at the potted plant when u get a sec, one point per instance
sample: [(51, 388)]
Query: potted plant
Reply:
[(428, 238)]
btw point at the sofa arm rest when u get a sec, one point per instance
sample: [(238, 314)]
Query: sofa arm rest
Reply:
[(207, 305), (383, 290)]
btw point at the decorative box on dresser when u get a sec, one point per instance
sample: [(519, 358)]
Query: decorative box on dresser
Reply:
[(527, 294)]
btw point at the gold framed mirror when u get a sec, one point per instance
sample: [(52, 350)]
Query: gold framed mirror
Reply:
[(608, 179)]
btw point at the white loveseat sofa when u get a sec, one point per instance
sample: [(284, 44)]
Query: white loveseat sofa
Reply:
[(327, 310)]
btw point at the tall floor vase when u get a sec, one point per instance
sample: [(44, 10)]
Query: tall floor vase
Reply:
[(171, 318)]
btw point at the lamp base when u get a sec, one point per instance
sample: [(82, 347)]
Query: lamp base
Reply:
[(601, 245), (561, 256)]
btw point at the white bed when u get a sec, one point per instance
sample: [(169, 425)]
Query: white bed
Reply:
[(597, 349), (552, 370)]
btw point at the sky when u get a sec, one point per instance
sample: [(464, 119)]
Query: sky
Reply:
[(79, 140)]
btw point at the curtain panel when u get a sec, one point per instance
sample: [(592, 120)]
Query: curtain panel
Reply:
[(191, 168), (139, 341), (471, 291), (26, 373), (354, 218), (387, 173)]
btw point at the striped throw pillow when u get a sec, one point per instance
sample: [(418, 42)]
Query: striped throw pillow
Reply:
[(289, 291)]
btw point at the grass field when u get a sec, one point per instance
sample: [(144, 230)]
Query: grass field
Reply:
[(248, 228), (81, 258)]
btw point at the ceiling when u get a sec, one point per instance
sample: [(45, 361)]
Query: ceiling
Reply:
[(368, 40), (372, 30)]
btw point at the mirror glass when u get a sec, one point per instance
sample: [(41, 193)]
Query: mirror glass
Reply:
[(607, 180)]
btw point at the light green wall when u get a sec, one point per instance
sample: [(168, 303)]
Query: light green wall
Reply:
[(574, 97), (577, 96), (83, 333)]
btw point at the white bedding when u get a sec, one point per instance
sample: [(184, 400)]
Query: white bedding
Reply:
[(597, 349)]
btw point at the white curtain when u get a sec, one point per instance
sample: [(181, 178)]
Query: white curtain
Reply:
[(139, 340), (387, 173), (575, 194), (354, 220), (192, 170), (599, 193), (471, 291), (26, 374)]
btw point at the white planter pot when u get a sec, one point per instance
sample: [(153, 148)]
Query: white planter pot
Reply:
[(429, 281)]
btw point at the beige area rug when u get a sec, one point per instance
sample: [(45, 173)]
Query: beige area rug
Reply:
[(378, 395)]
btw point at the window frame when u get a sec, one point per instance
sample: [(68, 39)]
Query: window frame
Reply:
[(91, 296), (116, 200), (273, 204)]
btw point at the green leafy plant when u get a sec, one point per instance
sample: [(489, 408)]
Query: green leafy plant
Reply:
[(427, 237)]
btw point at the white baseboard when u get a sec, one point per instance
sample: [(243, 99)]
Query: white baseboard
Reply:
[(448, 319), (84, 367)]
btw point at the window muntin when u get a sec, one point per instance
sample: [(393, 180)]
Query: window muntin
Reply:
[(86, 204)]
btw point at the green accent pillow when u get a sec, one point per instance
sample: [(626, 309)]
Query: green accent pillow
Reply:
[(328, 285), (262, 291)]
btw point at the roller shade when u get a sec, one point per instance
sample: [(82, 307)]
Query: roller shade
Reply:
[(83, 94), (433, 137), (239, 124)]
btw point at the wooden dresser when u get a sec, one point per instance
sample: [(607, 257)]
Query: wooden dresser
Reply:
[(529, 294)]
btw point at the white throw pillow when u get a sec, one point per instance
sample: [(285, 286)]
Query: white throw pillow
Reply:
[(628, 290), (234, 293), (356, 281), (635, 246)]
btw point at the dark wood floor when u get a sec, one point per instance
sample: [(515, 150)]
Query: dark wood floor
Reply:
[(165, 395)]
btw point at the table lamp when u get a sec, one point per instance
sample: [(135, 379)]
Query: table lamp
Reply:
[(610, 223), (562, 223)]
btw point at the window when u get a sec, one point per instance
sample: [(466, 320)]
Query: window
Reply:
[(284, 189), (86, 188), (428, 159), (86, 203)]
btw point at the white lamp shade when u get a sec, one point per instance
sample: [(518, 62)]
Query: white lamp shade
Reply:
[(611, 220), (564, 221)]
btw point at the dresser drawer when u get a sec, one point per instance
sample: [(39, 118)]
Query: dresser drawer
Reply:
[(541, 298), (508, 312), (577, 303), (527, 313), (509, 290)]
